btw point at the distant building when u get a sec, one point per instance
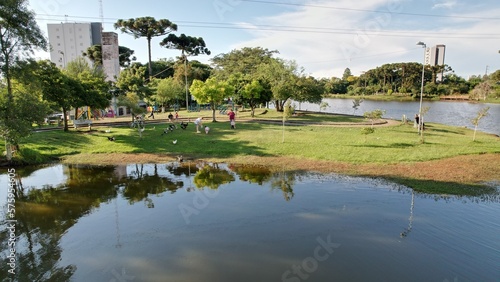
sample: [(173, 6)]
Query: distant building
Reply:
[(110, 55), (68, 41), (434, 56)]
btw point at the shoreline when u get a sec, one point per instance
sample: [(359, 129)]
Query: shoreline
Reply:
[(468, 172)]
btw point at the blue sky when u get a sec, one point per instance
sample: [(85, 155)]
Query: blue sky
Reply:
[(322, 36)]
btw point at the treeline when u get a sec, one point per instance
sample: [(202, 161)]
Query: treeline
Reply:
[(406, 79)]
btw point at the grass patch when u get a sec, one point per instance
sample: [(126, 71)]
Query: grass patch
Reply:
[(391, 151)]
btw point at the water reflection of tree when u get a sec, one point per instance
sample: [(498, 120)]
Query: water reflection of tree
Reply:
[(185, 168), (284, 181), (252, 173), (212, 176), (139, 186), (44, 215)]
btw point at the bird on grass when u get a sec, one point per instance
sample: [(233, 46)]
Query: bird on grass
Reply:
[(111, 138), (107, 130), (174, 142)]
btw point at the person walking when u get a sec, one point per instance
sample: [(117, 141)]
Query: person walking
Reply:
[(198, 122), (232, 120), (152, 115)]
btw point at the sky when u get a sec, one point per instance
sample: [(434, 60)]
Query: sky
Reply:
[(324, 37)]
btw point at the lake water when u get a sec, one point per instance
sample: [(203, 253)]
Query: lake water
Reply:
[(208, 222), (445, 112)]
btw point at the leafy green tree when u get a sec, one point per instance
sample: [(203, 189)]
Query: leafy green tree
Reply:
[(147, 27), (374, 115), (212, 91), (29, 109), (280, 75), (251, 93), (94, 85), (336, 86), (308, 89), (475, 121), (131, 101), (125, 55), (242, 67), (132, 79), (168, 91), (246, 61), (58, 88), (189, 46), (347, 74), (19, 36), (366, 131)]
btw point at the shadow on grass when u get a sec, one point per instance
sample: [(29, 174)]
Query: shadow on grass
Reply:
[(218, 143), (393, 145)]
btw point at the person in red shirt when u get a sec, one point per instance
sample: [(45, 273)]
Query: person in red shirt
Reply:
[(231, 115)]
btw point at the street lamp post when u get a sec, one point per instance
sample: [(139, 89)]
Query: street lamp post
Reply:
[(420, 121)]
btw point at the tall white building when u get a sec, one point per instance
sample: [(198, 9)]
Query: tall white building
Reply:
[(434, 56), (69, 41)]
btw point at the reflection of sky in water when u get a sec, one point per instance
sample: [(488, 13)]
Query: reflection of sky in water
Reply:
[(48, 176), (249, 232)]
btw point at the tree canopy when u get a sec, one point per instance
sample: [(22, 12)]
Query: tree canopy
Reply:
[(125, 55), (212, 91), (147, 27)]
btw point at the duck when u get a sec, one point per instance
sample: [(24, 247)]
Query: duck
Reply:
[(174, 142)]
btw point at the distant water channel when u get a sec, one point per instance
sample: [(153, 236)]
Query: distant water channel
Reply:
[(445, 112), (206, 222)]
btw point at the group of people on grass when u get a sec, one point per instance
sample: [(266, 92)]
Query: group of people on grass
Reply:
[(199, 122)]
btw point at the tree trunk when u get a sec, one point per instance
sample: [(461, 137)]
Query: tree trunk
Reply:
[(8, 150), (65, 120), (149, 60), (213, 113)]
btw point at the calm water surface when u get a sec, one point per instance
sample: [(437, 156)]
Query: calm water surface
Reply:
[(208, 222), (445, 112)]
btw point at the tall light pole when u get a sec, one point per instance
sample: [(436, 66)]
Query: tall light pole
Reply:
[(421, 90)]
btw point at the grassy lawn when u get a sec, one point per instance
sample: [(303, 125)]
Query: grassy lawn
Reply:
[(316, 146)]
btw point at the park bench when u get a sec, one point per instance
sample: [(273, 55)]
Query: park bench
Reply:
[(82, 123)]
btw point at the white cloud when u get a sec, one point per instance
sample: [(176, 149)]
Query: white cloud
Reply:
[(332, 39), (445, 5)]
